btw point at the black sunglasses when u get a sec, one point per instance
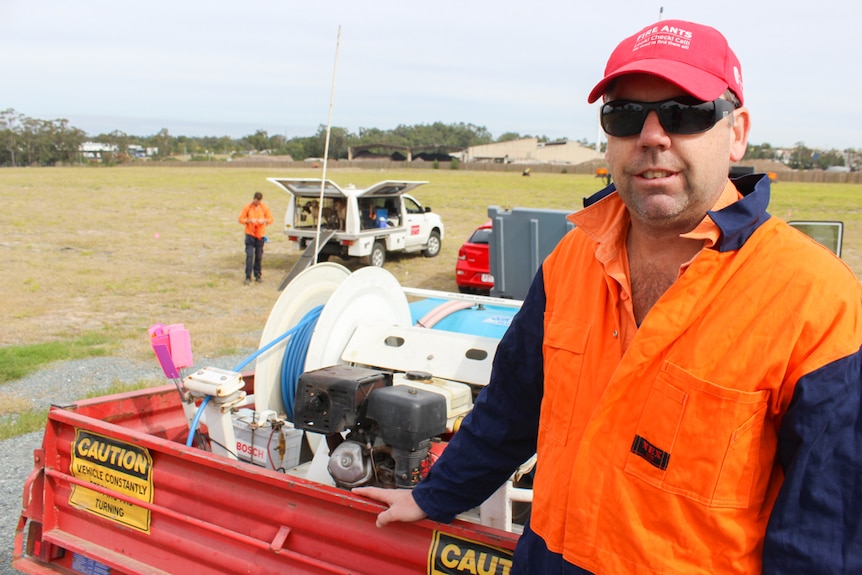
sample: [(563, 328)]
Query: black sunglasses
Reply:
[(681, 115)]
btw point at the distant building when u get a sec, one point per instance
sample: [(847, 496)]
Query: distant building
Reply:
[(137, 151), (94, 150), (531, 151), (523, 151), (395, 153)]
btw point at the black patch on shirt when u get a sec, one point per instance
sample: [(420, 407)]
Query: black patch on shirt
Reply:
[(653, 455)]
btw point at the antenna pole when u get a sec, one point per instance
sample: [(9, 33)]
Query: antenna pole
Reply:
[(326, 149)]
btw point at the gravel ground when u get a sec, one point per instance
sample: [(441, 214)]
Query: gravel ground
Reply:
[(61, 383), (17, 464)]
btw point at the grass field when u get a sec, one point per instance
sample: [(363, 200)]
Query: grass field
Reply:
[(106, 252)]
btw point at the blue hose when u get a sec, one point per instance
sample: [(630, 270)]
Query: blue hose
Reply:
[(310, 317), (191, 438), (293, 364)]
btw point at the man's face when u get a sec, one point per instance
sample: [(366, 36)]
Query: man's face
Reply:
[(669, 181)]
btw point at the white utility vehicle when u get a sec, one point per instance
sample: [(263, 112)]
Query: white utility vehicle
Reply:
[(359, 222)]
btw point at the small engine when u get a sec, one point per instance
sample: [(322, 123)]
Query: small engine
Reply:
[(389, 428)]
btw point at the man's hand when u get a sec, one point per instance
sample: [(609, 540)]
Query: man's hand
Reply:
[(402, 506)]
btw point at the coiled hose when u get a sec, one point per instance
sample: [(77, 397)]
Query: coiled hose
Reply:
[(292, 366)]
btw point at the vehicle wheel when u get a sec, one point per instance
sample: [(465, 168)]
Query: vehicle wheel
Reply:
[(432, 248), (377, 257)]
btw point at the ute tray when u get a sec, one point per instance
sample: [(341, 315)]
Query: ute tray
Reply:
[(115, 490)]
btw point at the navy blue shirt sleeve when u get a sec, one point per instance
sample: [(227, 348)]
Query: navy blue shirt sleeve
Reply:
[(816, 524), (500, 433)]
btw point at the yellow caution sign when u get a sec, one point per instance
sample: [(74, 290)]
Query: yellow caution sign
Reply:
[(451, 555), (115, 465)]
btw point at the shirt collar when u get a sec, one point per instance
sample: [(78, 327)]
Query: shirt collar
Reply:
[(739, 210), (707, 230)]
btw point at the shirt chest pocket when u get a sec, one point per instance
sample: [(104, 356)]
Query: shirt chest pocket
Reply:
[(563, 348), (702, 441)]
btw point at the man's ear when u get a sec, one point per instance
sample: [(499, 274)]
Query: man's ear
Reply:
[(739, 133)]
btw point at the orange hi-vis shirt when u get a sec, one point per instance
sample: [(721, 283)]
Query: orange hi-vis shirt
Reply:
[(657, 445), (250, 213), (721, 436)]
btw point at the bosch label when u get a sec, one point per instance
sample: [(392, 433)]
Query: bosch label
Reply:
[(254, 452)]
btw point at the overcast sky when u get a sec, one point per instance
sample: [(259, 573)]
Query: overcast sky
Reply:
[(230, 68)]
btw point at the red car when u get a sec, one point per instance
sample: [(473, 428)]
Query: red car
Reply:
[(473, 270)]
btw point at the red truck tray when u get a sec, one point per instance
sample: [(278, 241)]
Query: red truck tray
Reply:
[(115, 490)]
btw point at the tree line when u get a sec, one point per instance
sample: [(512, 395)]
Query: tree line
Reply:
[(26, 141), (29, 141), (801, 157)]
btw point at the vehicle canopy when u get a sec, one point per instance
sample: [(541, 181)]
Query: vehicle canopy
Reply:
[(311, 187)]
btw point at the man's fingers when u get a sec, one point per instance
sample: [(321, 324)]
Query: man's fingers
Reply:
[(376, 493), (384, 518), (402, 507), (380, 495)]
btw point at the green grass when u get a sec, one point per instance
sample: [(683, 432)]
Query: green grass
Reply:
[(31, 420), (22, 423), (18, 361)]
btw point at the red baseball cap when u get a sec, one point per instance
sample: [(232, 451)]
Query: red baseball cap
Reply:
[(695, 57)]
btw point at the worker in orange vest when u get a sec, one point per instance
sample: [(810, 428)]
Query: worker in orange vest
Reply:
[(255, 216)]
